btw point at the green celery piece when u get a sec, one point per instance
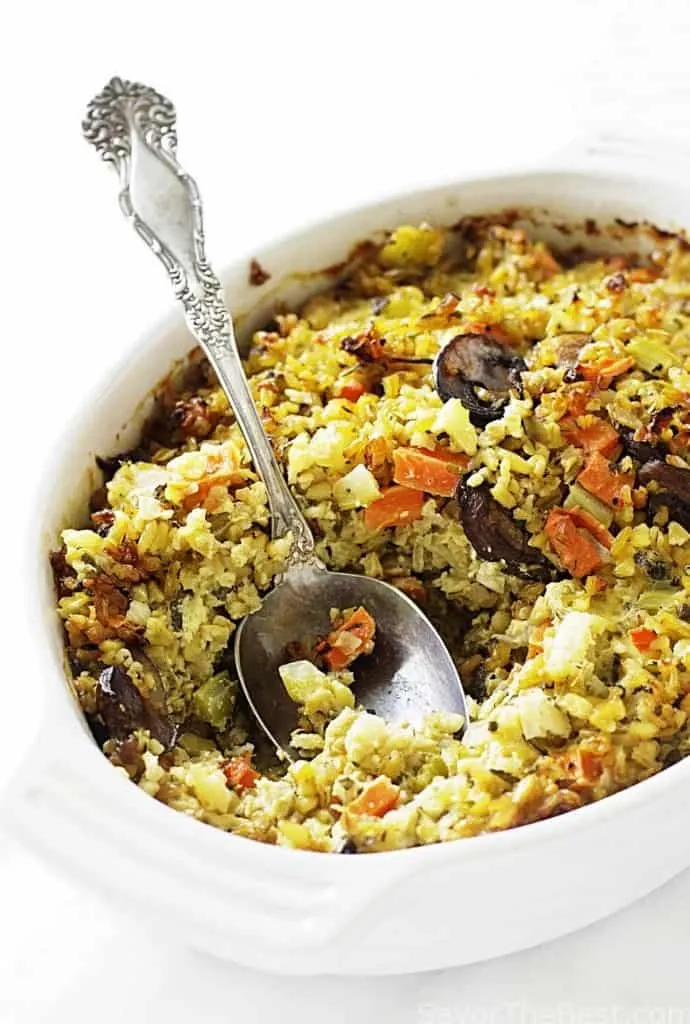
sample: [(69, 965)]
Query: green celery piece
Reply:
[(215, 699), (651, 356), (578, 496)]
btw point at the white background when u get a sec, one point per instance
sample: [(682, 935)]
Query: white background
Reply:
[(286, 112)]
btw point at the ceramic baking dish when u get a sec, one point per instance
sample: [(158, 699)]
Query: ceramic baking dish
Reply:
[(309, 913)]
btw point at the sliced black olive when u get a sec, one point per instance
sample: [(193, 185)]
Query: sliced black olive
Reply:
[(671, 478), (641, 451), (477, 360), (495, 536), (123, 709)]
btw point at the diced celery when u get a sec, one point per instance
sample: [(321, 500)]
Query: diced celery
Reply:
[(650, 355), (582, 498), (195, 745), (215, 699), (656, 598)]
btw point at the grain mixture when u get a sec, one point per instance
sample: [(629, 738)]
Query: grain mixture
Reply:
[(530, 490)]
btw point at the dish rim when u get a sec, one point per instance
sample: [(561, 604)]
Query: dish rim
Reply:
[(60, 699)]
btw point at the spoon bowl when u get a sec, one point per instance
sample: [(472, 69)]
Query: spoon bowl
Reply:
[(410, 671)]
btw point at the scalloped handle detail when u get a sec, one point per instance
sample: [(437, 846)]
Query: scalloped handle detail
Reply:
[(145, 855)]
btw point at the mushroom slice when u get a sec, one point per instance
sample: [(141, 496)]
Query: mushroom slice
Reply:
[(675, 495), (677, 509), (495, 536), (477, 360), (123, 709), (671, 478)]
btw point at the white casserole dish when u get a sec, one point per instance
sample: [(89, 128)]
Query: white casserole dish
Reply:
[(308, 913)]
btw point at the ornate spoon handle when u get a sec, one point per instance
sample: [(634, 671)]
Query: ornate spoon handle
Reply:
[(133, 127)]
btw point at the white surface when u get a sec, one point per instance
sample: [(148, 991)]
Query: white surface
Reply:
[(292, 110)]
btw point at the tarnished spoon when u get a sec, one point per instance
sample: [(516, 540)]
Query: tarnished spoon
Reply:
[(410, 672)]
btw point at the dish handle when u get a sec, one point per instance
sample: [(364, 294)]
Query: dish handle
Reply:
[(68, 805)]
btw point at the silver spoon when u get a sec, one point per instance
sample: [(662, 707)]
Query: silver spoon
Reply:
[(410, 671)]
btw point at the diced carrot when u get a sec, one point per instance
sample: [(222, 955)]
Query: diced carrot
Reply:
[(222, 471), (600, 480), (598, 436), (397, 506), (578, 398), (575, 548), (239, 773), (353, 637), (603, 371), (352, 390), (204, 487), (445, 455), (436, 472), (588, 522), (589, 764), (378, 797), (583, 766), (643, 638)]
